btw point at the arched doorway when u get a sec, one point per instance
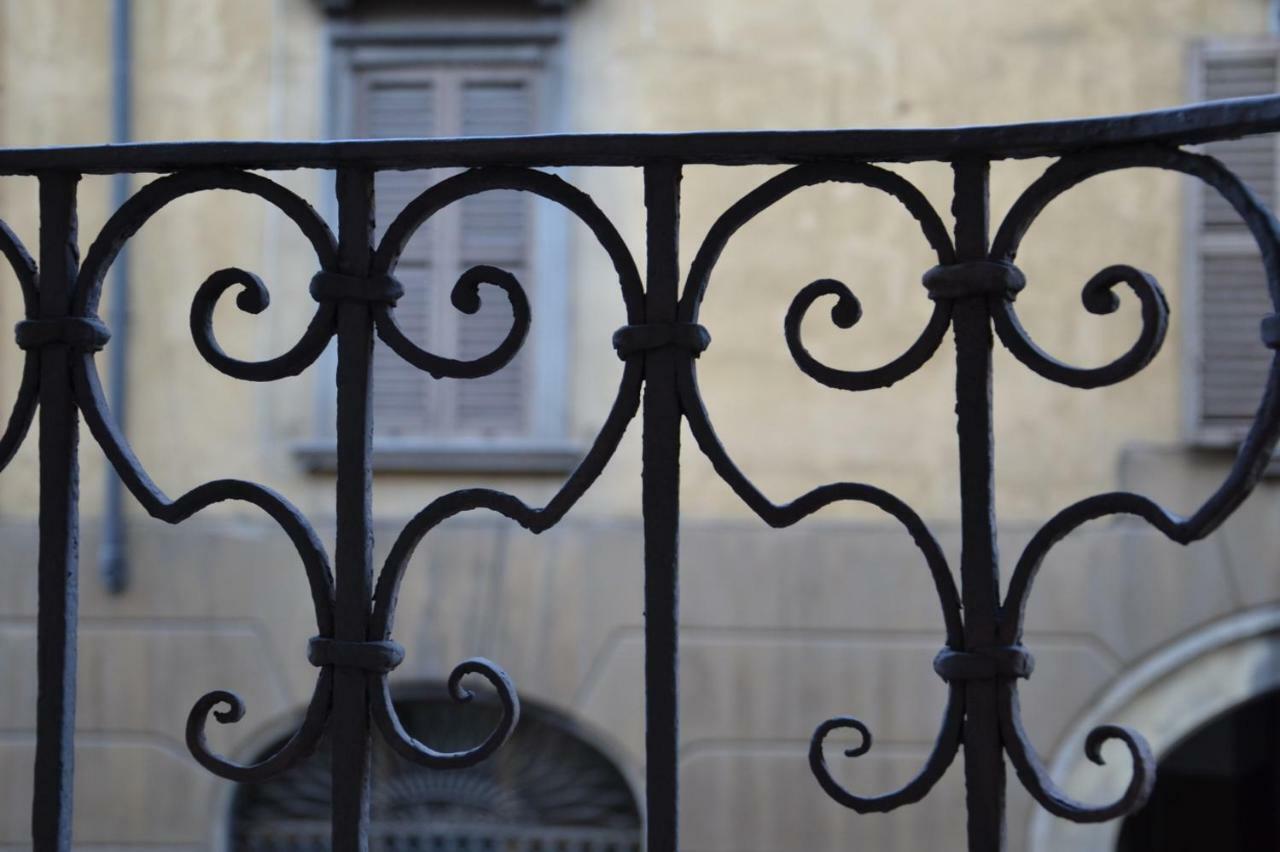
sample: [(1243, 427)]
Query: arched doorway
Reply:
[(1170, 696), (1217, 789), (546, 789)]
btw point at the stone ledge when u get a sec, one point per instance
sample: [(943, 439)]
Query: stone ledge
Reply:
[(504, 457)]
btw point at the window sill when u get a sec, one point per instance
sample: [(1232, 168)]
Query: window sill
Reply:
[(1225, 442), (1218, 436), (519, 457)]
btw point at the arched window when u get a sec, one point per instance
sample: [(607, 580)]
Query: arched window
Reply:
[(546, 790), (1217, 788)]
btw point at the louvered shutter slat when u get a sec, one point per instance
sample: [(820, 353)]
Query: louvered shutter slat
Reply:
[(1234, 361), (1254, 158), (491, 228), (494, 231), (402, 396), (1238, 76), (1233, 291)]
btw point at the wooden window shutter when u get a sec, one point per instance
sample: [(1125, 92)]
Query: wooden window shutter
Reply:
[(403, 105), (491, 228), (495, 230), (1232, 287)]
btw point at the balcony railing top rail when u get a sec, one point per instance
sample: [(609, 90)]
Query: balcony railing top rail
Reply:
[(1174, 127)]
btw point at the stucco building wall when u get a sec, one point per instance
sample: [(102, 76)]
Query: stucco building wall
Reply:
[(782, 629)]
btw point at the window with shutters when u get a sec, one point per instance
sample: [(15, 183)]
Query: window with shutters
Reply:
[(1227, 284), (479, 77)]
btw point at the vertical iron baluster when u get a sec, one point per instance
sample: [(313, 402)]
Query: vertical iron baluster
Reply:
[(59, 527), (353, 551), (661, 504), (979, 569)]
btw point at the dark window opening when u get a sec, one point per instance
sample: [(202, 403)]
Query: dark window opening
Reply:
[(546, 790), (1217, 789)]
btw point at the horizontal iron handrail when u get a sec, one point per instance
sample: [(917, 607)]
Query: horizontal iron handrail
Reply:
[(1183, 126)]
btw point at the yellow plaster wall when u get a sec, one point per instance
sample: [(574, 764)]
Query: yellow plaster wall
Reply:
[(238, 69)]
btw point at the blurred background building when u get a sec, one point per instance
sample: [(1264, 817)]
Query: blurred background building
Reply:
[(781, 629)]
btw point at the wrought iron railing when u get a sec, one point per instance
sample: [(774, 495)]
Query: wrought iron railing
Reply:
[(972, 286)]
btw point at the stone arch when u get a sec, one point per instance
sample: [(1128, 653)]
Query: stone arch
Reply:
[(1169, 695)]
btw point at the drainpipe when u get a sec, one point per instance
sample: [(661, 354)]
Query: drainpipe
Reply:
[(112, 564)]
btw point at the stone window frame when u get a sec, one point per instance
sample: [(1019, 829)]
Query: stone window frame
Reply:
[(485, 40)]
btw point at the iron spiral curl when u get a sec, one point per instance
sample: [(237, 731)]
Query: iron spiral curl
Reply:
[(1244, 474), (465, 295), (1099, 298), (92, 401), (1036, 779), (945, 746), (536, 519), (412, 749), (1098, 294), (1255, 451), (845, 313), (28, 396), (847, 310), (301, 745), (253, 298)]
